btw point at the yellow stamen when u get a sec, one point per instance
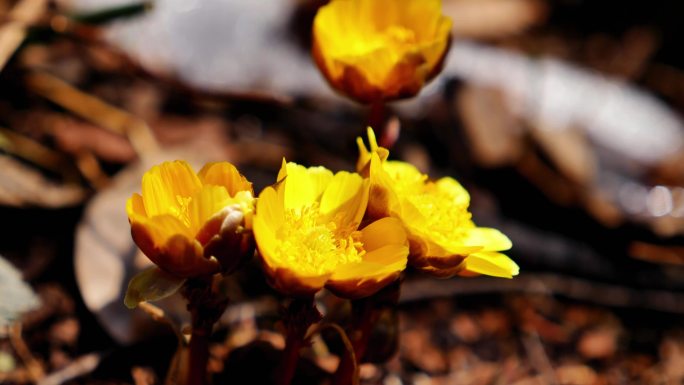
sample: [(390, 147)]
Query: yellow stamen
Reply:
[(313, 248)]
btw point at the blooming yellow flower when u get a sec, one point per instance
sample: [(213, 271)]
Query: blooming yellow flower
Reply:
[(307, 231), (378, 50), (192, 224), (443, 239)]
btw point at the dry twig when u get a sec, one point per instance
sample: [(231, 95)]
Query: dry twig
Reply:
[(13, 33), (34, 368), (95, 110), (79, 367)]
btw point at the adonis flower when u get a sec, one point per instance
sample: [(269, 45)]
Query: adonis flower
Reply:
[(192, 224), (444, 241), (379, 50), (307, 232)]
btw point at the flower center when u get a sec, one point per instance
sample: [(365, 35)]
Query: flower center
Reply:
[(313, 248), (444, 219), (181, 211), (399, 35)]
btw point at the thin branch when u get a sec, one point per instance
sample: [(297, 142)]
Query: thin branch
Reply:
[(600, 293), (34, 368), (77, 368)]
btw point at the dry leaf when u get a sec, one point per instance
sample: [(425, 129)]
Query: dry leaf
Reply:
[(487, 19), (21, 185)]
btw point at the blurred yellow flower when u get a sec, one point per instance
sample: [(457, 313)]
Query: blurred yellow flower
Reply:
[(443, 239), (307, 231), (379, 50), (192, 224)]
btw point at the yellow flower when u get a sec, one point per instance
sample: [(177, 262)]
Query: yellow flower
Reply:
[(192, 224), (443, 239), (307, 232), (378, 50)]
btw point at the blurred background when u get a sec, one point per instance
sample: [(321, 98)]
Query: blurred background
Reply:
[(563, 118)]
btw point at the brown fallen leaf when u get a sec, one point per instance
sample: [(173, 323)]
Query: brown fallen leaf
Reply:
[(668, 255), (465, 328), (575, 374), (21, 185), (488, 19), (494, 133), (143, 376), (417, 349), (598, 344), (569, 150), (672, 353), (13, 33), (65, 331), (94, 110), (74, 137)]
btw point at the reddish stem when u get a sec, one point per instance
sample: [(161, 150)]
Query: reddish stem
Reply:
[(288, 364), (365, 316), (199, 353), (376, 116), (205, 307), (298, 316)]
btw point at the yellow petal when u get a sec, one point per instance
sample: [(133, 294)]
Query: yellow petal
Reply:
[(363, 163), (382, 200), (365, 153), (303, 186), (423, 17), (268, 218), (378, 269), (491, 263), (135, 208), (163, 227), (225, 174), (344, 200), (392, 256), (487, 238), (375, 66), (163, 185), (206, 202), (434, 51), (383, 232), (291, 284), (184, 258), (175, 253), (403, 172)]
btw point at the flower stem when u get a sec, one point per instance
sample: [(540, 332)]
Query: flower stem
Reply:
[(199, 354), (376, 116), (365, 314), (205, 308), (364, 317), (298, 316)]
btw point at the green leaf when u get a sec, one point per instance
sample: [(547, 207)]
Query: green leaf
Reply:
[(152, 284), (113, 14)]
